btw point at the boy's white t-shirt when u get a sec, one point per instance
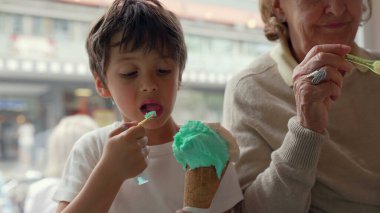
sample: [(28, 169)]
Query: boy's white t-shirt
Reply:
[(164, 191)]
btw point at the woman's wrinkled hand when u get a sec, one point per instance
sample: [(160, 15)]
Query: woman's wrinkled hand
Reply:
[(313, 100)]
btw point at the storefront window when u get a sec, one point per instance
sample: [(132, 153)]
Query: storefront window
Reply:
[(17, 24), (61, 29)]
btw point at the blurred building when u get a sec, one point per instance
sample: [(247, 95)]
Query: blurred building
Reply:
[(44, 73)]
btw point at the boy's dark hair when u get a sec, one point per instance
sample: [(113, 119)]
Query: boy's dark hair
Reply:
[(143, 24)]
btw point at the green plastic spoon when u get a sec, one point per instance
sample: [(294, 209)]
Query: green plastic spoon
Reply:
[(373, 65)]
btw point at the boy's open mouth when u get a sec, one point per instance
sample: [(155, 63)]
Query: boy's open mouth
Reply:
[(145, 108)]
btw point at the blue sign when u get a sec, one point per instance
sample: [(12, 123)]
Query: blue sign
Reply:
[(16, 105)]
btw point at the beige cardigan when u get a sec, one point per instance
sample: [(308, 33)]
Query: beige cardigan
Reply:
[(287, 168)]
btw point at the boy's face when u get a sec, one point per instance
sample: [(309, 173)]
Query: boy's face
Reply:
[(140, 82)]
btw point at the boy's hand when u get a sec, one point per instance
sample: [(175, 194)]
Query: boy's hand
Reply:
[(123, 155)]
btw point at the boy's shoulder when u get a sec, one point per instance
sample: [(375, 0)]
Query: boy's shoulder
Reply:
[(96, 138), (102, 131)]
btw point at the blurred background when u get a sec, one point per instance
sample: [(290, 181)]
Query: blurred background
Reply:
[(44, 73)]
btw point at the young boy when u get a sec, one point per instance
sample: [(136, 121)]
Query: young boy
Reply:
[(137, 54)]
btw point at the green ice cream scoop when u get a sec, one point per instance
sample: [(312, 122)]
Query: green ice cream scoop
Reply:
[(197, 145)]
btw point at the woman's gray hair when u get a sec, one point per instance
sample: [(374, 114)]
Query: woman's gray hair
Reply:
[(275, 29), (62, 139)]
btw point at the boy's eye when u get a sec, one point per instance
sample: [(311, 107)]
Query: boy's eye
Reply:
[(163, 71), (129, 74)]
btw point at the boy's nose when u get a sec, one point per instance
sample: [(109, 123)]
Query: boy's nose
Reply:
[(149, 85), (149, 89)]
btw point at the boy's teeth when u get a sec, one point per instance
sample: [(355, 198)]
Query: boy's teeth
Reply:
[(152, 107)]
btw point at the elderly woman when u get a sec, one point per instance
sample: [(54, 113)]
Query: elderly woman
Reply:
[(309, 140)]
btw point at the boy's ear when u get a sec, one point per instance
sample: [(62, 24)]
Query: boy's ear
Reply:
[(101, 88)]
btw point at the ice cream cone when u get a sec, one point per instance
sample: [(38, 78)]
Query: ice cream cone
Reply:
[(205, 153), (201, 185)]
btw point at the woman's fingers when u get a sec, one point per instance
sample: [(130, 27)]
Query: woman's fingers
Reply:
[(323, 92), (337, 49), (314, 100), (331, 55), (329, 86), (334, 62), (317, 82), (331, 75)]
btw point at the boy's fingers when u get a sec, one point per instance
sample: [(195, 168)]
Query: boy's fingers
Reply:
[(135, 132), (117, 131), (128, 125), (123, 127)]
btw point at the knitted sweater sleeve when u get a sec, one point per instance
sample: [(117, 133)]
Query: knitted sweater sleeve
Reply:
[(272, 180)]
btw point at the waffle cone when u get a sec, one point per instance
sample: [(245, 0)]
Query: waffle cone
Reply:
[(201, 185)]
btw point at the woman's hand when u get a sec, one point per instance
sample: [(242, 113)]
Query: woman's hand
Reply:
[(313, 101), (123, 154)]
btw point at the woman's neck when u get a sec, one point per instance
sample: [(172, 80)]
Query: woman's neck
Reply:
[(296, 56)]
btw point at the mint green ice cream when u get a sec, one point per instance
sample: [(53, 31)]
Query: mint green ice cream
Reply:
[(197, 145)]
